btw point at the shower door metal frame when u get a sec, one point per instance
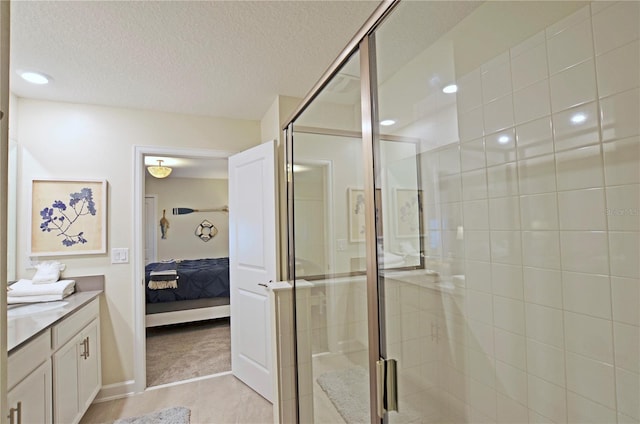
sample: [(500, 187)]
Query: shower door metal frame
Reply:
[(364, 42)]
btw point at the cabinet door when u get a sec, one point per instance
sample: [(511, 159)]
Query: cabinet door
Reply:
[(89, 378), (65, 381), (34, 395)]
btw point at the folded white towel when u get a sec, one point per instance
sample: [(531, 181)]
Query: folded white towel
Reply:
[(25, 288), (35, 299), (48, 272)]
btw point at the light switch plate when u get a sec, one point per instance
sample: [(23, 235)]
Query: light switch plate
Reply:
[(120, 255)]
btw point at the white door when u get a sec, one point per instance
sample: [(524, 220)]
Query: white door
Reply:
[(252, 262), (151, 228)]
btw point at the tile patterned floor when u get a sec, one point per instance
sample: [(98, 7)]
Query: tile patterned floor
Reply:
[(217, 400)]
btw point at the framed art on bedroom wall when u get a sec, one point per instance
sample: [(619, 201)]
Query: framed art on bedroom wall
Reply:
[(68, 217)]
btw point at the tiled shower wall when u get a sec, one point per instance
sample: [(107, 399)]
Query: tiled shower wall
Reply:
[(538, 206)]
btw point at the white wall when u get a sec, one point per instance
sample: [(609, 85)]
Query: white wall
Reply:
[(194, 193), (64, 140)]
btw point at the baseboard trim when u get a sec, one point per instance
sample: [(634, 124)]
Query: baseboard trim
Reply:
[(116, 391)]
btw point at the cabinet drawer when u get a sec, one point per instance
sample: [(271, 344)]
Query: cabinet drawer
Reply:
[(72, 325), (27, 358)]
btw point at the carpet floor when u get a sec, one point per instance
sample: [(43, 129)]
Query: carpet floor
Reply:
[(183, 351), (175, 415)]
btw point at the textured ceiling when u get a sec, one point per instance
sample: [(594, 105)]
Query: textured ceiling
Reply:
[(215, 58)]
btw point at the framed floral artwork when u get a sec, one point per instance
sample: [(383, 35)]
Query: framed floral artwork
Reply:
[(407, 205), (356, 214), (68, 217)]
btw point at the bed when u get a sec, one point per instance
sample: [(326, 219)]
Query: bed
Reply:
[(186, 290)]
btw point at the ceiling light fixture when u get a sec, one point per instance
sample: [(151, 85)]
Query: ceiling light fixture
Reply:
[(387, 122), (450, 89), (159, 171), (35, 77), (578, 118), (503, 139)]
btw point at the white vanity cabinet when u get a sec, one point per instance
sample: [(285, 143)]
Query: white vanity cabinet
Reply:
[(76, 363), (29, 382)]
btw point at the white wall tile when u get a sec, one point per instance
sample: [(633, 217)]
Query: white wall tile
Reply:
[(625, 294), (498, 114), (479, 306), (469, 94), (546, 362), (508, 314), (510, 348), (576, 127), (616, 26), (618, 70), (480, 336), (482, 398), (589, 336), (527, 45), (504, 213), (474, 185), (534, 138), (545, 324), (620, 115), (481, 367), (477, 245), (583, 410), (542, 286), (547, 399), (451, 214), (506, 281), (511, 382), (624, 250), (500, 147), (496, 78), (626, 346), (510, 411), (587, 294), (573, 86), (471, 124), (582, 209), (541, 249), (532, 102), (478, 275), (599, 6), (628, 385), (529, 67), (472, 155), (506, 247), (449, 160), (591, 379), (570, 47), (584, 251), (573, 19), (537, 175), (539, 212), (621, 159), (580, 168), (623, 207), (450, 188), (502, 180), (476, 214)]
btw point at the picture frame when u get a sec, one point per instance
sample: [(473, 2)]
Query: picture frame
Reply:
[(68, 217), (407, 211)]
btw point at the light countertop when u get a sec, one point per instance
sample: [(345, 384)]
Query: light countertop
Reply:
[(25, 321)]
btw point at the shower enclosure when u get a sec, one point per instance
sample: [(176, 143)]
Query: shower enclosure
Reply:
[(464, 217)]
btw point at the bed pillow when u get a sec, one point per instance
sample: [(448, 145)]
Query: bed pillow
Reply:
[(48, 272)]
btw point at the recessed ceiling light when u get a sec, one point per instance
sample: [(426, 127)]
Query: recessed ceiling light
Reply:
[(578, 118), (503, 139), (35, 77), (450, 89), (387, 122)]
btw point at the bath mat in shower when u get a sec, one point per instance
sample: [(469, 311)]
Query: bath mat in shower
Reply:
[(348, 390)]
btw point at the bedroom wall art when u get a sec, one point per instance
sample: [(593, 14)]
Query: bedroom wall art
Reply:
[(68, 217)]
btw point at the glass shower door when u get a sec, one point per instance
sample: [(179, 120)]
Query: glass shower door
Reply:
[(329, 260)]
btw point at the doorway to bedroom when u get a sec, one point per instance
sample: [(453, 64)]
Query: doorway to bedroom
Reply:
[(186, 235)]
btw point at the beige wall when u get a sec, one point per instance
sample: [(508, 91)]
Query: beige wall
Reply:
[(196, 193), (63, 140)]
